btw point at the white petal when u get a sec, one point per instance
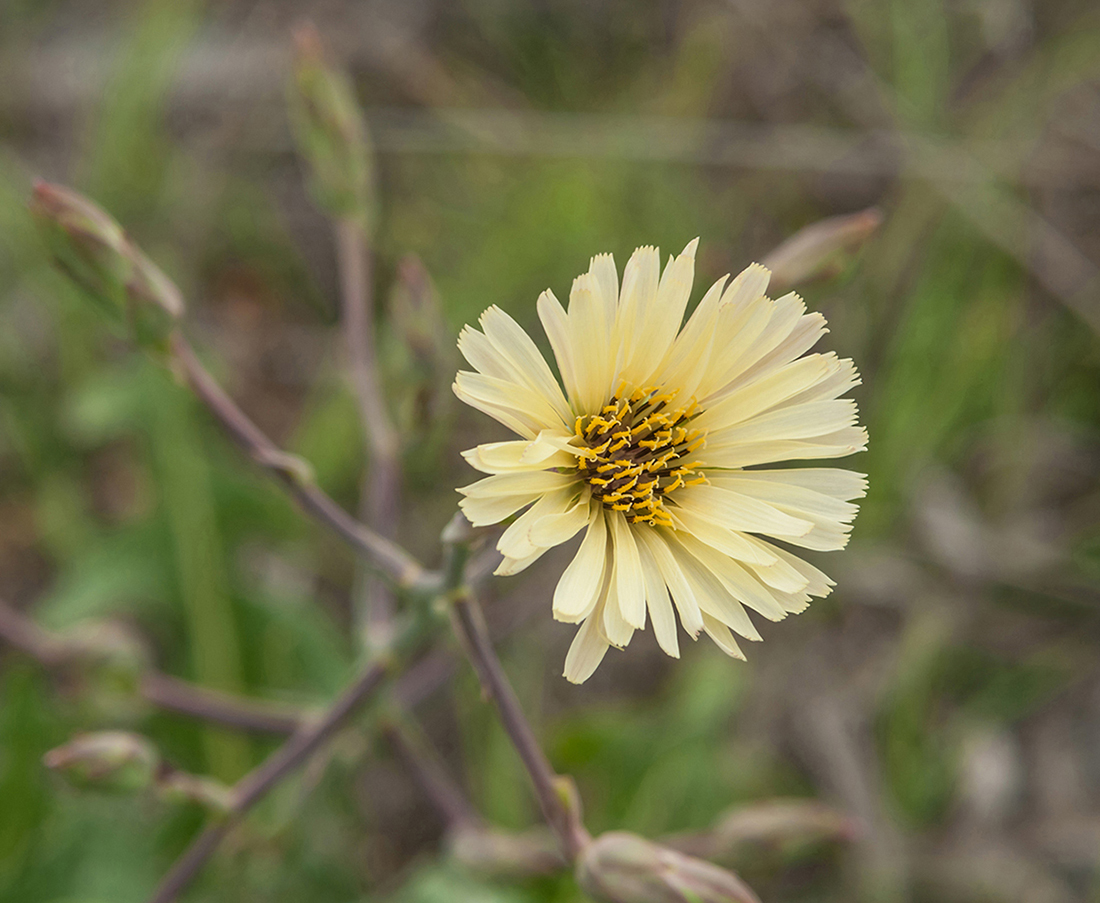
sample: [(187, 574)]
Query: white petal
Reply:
[(713, 596), (802, 421), (516, 455), (612, 624), (636, 301), (579, 587), (741, 583), (590, 337), (660, 605), (835, 445), (658, 328), (491, 395), (522, 483), (722, 637), (739, 512), (514, 345), (673, 576), (558, 528), (602, 268), (630, 585), (819, 584), (835, 482), (492, 499), (585, 652), (555, 322), (757, 397), (806, 332), (690, 354), (836, 384), (729, 542), (748, 288), (795, 500), (479, 351), (736, 331), (511, 566), (516, 542), (783, 316)]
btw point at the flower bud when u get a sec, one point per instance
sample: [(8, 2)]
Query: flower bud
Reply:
[(331, 133), (417, 313), (115, 761), (624, 868), (95, 252), (781, 826), (818, 251), (497, 854), (179, 786)]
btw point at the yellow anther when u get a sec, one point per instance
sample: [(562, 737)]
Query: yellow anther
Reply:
[(632, 451)]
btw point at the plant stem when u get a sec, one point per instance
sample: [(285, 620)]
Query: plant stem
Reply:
[(428, 771), (550, 788), (162, 690), (257, 783), (389, 557), (381, 498), (175, 695)]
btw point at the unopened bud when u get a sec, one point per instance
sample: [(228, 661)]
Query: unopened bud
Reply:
[(782, 826), (95, 252), (624, 868), (416, 311), (180, 786), (116, 761), (110, 653), (819, 250), (497, 854), (331, 132)]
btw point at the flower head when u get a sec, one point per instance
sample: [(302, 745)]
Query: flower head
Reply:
[(658, 448)]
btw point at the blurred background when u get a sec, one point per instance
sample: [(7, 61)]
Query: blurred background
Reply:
[(946, 697)]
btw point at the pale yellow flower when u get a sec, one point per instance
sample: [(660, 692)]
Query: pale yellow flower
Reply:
[(655, 449)]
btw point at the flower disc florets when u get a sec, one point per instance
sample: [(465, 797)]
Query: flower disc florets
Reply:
[(640, 451)]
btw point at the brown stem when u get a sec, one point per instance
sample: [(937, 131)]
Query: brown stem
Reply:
[(256, 784), (428, 771), (162, 690), (382, 485), (389, 557), (564, 819), (175, 695)]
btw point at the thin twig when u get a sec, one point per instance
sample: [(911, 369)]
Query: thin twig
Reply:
[(256, 784), (179, 696), (430, 774), (382, 483), (172, 694), (563, 819), (389, 557)]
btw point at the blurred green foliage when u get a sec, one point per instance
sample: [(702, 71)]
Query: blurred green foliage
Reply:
[(119, 497)]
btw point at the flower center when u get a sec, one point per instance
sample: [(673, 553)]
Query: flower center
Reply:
[(639, 452)]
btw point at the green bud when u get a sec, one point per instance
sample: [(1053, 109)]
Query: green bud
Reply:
[(95, 252), (115, 761), (180, 786), (108, 660), (331, 133), (624, 868), (497, 854)]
